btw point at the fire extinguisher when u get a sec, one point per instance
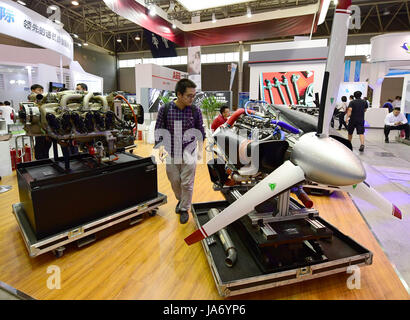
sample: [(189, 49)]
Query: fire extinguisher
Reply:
[(27, 153), (13, 158), (18, 158)]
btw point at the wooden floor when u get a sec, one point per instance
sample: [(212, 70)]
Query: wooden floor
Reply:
[(152, 261)]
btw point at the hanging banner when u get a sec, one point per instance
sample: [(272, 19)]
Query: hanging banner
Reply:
[(234, 66), (194, 66), (22, 23), (357, 70), (160, 47), (347, 70)]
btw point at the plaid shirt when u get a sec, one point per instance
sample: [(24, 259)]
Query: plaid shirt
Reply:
[(178, 123)]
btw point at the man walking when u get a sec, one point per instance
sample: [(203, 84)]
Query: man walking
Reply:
[(341, 112), (178, 128), (355, 118)]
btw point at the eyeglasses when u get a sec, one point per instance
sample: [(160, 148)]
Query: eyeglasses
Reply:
[(190, 96)]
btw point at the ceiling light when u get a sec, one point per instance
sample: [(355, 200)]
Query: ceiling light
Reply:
[(386, 12), (213, 17), (173, 25), (137, 38), (79, 44), (119, 40), (323, 12), (75, 36), (75, 3), (52, 7), (335, 2), (21, 2), (85, 44), (152, 10), (249, 12)]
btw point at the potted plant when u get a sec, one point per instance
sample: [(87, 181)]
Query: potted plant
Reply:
[(210, 108)]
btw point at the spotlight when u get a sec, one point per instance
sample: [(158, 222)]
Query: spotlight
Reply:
[(75, 3), (119, 40), (85, 44), (79, 44), (137, 38), (213, 17), (152, 11), (173, 25), (53, 7), (21, 2), (75, 36), (249, 12)]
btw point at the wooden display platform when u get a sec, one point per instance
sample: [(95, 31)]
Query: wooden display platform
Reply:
[(151, 260)]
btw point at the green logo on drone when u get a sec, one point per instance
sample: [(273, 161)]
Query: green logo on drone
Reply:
[(272, 186)]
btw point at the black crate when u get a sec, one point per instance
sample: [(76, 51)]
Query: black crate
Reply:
[(55, 201)]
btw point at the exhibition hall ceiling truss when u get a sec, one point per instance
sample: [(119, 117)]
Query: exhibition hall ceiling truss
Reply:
[(92, 22)]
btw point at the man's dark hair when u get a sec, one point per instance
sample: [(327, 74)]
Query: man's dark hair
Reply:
[(389, 100), (357, 94), (398, 98), (182, 85), (7, 103), (351, 97), (344, 99), (36, 86), (222, 109), (397, 108), (1, 103), (83, 86)]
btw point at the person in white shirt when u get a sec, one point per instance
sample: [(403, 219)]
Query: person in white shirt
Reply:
[(395, 121), (341, 109), (397, 102), (6, 112)]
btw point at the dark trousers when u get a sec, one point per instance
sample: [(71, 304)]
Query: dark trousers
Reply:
[(341, 116), (42, 148), (404, 127)]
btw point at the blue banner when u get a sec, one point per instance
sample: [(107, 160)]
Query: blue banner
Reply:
[(160, 47), (347, 70), (357, 71)]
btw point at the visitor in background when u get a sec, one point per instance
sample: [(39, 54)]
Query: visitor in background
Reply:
[(397, 102), (81, 87), (355, 118), (389, 105), (341, 112), (395, 121), (42, 144), (221, 118)]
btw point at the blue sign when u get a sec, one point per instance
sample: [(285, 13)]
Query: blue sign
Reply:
[(6, 15)]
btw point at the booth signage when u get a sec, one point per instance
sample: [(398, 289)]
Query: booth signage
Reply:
[(391, 47), (22, 23)]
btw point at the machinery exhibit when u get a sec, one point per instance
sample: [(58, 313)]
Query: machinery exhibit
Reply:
[(261, 156), (103, 128)]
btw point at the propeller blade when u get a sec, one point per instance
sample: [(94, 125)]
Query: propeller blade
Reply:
[(279, 180), (370, 195)]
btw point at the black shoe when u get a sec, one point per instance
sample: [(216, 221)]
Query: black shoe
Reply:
[(361, 149), (177, 208), (386, 140), (184, 216)]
